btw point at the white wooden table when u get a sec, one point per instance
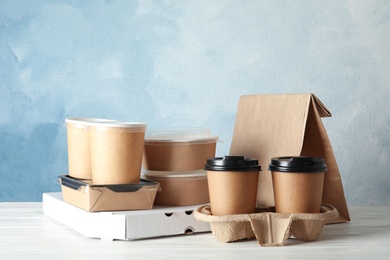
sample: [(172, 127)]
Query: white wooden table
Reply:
[(26, 233)]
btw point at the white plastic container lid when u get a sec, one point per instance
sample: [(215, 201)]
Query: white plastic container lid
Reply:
[(180, 135), (172, 174), (127, 126), (82, 121)]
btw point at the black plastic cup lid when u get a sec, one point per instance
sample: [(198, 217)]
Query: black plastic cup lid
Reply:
[(232, 163), (297, 164)]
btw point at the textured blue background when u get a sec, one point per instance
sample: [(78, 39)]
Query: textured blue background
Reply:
[(186, 63)]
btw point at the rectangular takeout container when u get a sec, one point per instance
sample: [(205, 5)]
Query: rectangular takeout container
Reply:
[(92, 197)]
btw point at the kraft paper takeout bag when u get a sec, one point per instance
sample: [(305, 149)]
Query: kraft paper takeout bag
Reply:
[(287, 125)]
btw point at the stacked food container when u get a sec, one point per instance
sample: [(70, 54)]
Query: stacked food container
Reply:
[(175, 158), (105, 158)]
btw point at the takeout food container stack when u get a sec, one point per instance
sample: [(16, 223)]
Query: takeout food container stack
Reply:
[(293, 197), (105, 158), (175, 158)]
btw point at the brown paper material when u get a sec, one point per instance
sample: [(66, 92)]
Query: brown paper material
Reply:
[(226, 228), (269, 228), (79, 156), (298, 191), (116, 154), (180, 190), (286, 125), (232, 192), (177, 156), (78, 151), (100, 198)]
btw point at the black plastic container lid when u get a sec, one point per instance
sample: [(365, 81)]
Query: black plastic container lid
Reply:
[(297, 164), (232, 163)]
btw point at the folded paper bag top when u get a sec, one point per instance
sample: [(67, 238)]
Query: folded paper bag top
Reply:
[(232, 182)]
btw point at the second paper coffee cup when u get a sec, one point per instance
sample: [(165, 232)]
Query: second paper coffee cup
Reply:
[(298, 183), (232, 182), (116, 151)]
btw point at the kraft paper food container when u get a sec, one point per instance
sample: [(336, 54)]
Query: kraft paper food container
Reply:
[(178, 149), (180, 188), (298, 183), (268, 227), (91, 197), (232, 182), (78, 146), (116, 151)]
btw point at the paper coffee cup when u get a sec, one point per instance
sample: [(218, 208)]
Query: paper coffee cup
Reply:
[(232, 182), (116, 151), (180, 149), (78, 146), (298, 183)]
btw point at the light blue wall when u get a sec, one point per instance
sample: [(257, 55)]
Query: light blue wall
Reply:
[(186, 63)]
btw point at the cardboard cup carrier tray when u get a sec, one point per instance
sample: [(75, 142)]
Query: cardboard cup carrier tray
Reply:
[(268, 227)]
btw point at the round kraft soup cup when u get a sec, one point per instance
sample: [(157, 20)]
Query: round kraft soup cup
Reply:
[(79, 161), (116, 151), (180, 188), (181, 149), (298, 183), (233, 182)]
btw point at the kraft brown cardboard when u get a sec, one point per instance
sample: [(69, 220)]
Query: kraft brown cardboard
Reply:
[(85, 195), (298, 192), (268, 227), (177, 156), (78, 150), (180, 189), (116, 152), (232, 192), (78, 146), (287, 125)]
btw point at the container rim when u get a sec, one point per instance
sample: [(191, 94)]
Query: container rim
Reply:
[(211, 139), (179, 134), (172, 174), (117, 124), (86, 120)]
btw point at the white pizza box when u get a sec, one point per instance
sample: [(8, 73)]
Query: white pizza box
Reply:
[(124, 225)]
